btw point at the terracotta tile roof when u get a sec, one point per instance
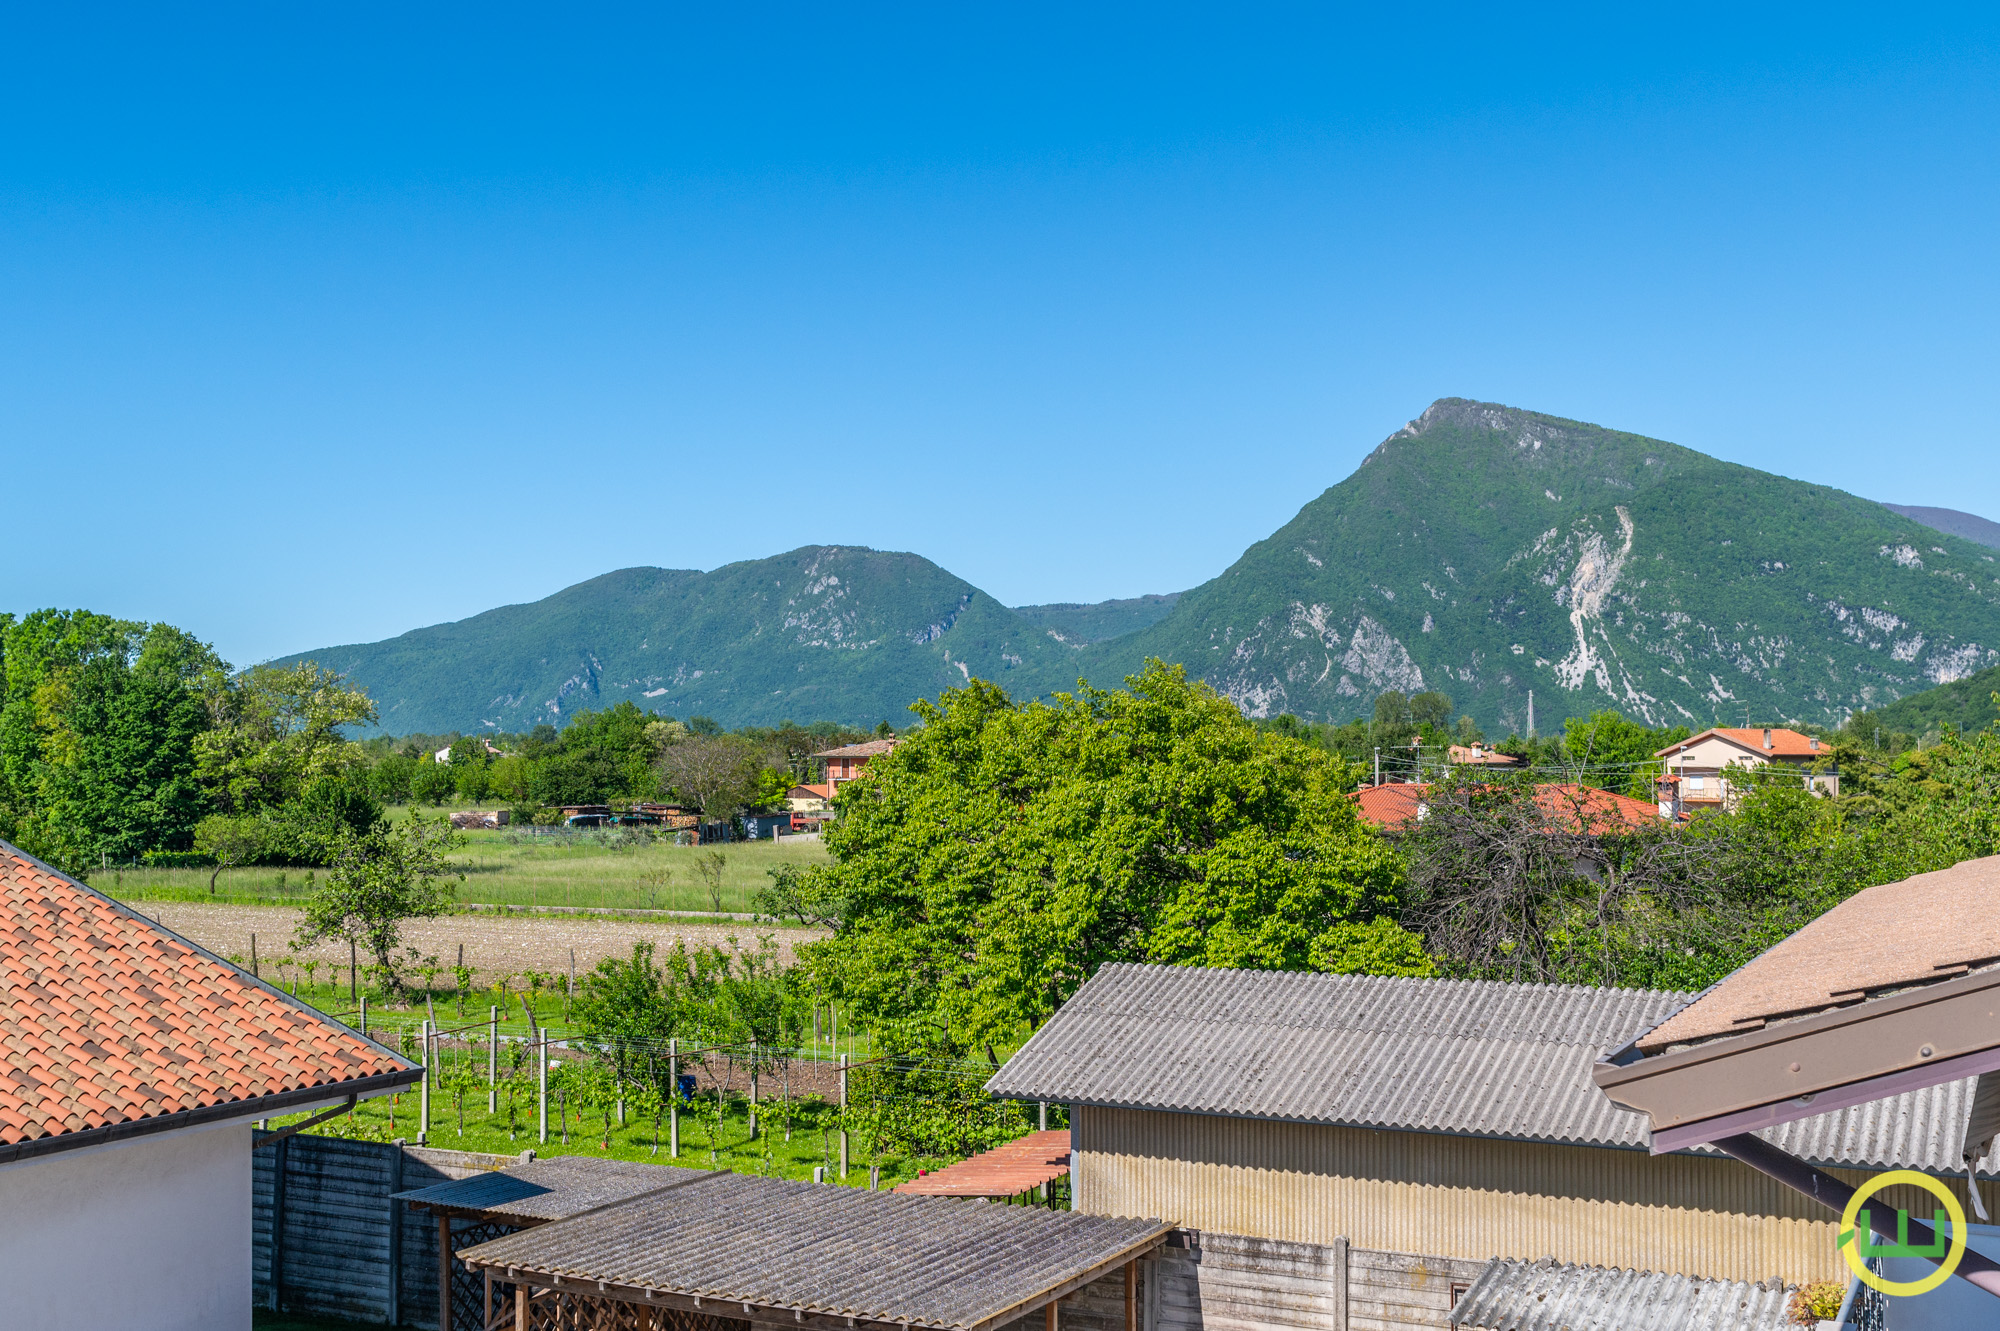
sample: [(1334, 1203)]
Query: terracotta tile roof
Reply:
[(110, 1022), (866, 749), (1005, 1171), (1478, 755), (811, 790), (1394, 805), (1932, 927), (1784, 743)]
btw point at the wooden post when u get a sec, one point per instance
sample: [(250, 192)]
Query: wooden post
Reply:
[(674, 1099), (364, 1015), (486, 1302), (1131, 1297), (843, 1118), (1049, 1315), (521, 1308), (353, 985), (753, 1090), (444, 1278), (492, 1060), (542, 1093), (253, 958)]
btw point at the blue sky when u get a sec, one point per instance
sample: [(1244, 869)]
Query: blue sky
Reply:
[(321, 323)]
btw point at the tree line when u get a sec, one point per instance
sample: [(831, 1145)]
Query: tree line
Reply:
[(122, 740)]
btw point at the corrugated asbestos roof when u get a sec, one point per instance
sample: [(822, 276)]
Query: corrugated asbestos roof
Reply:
[(544, 1190), (1466, 1057), (1545, 1296), (809, 1248)]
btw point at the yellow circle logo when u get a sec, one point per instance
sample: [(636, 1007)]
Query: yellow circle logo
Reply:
[(1853, 1240)]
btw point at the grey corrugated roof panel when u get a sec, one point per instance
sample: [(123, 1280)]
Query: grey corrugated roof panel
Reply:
[(544, 1190), (1464, 1057), (1547, 1296), (809, 1248), (1361, 1050)]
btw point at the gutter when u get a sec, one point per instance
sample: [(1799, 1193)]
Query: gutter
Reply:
[(262, 1107)]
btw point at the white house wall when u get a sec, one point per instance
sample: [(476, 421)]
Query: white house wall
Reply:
[(153, 1233)]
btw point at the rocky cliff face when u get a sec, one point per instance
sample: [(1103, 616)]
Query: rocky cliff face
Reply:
[(1486, 551)]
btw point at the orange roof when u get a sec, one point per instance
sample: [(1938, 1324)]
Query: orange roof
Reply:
[(866, 749), (1390, 806), (1004, 1171), (114, 1026), (1393, 806), (1784, 743), (1480, 756), (812, 791), (1935, 926)]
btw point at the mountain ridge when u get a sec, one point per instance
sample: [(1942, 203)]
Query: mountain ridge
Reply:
[(1481, 550)]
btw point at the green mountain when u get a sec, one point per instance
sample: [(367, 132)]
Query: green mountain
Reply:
[(1486, 552), (822, 633), (1967, 704), (1081, 625), (1481, 551)]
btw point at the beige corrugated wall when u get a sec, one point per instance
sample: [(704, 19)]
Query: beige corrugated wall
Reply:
[(1464, 1197)]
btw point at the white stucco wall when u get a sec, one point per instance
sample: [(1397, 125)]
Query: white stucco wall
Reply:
[(153, 1233)]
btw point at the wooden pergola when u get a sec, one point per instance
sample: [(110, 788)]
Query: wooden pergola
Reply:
[(732, 1252)]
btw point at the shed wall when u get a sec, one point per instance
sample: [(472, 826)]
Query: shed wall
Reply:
[(1464, 1198)]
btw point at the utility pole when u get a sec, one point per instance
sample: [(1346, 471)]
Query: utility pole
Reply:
[(1378, 764), (1531, 713)]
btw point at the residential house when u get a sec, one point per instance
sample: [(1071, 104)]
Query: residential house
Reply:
[(1479, 755), (847, 762), (137, 1064), (810, 798), (1693, 771), (1394, 807), (1397, 1137)]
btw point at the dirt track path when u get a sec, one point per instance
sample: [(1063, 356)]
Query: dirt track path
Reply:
[(494, 944)]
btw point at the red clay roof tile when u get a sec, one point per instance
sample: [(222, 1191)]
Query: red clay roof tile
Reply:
[(106, 1018)]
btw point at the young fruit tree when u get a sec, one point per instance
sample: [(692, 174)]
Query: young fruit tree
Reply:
[(378, 881)]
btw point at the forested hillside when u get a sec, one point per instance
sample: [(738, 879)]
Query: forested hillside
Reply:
[(1483, 552), (1480, 552)]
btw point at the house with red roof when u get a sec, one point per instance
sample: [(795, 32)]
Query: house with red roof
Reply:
[(1393, 807), (847, 762), (1694, 771), (136, 1065)]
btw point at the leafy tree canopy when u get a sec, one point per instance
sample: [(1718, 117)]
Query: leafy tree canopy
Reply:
[(275, 731), (1005, 851)]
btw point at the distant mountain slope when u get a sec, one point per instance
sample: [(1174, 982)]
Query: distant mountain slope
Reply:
[(835, 633), (1966, 703), (1487, 551), (1079, 625), (1969, 525), (1481, 550)]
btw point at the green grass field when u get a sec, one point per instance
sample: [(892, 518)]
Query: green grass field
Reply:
[(604, 870), (706, 1142)]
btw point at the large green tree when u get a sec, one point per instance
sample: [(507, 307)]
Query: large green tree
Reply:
[(99, 722), (275, 731), (1005, 851)]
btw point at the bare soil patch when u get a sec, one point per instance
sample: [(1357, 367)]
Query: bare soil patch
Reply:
[(495, 945)]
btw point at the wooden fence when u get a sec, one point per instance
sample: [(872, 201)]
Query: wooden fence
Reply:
[(327, 1241)]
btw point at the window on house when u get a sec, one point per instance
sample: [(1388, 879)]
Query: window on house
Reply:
[(1458, 1289)]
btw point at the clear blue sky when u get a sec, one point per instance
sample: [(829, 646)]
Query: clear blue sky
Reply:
[(319, 323)]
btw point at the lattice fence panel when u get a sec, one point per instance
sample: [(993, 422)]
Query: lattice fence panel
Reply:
[(468, 1288)]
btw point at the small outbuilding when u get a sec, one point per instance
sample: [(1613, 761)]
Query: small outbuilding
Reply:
[(137, 1064)]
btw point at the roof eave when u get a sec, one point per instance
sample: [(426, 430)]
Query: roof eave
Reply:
[(1833, 1060), (263, 1106)]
